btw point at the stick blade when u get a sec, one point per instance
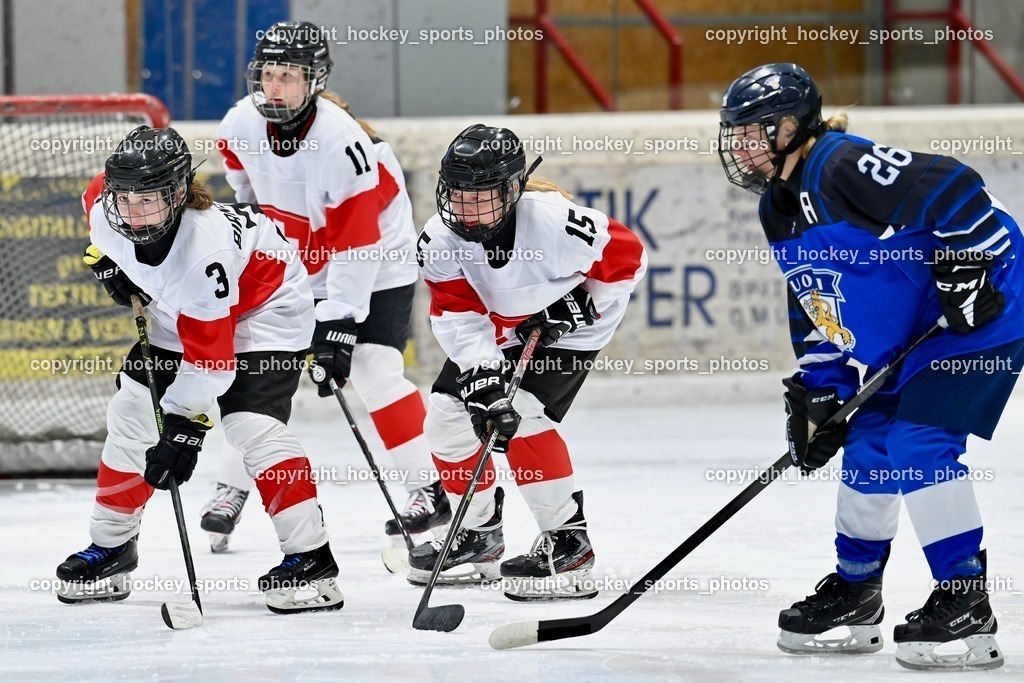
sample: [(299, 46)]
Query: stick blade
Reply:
[(181, 616), (518, 634), (444, 618), (396, 560)]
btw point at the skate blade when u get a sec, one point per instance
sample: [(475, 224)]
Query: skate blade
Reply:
[(110, 589), (327, 597), (981, 653), (219, 542), (468, 574), (574, 585), (860, 640)]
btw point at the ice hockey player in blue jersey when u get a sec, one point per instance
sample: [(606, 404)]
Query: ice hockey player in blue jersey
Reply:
[(877, 243)]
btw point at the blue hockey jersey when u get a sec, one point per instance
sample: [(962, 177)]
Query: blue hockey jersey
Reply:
[(855, 230)]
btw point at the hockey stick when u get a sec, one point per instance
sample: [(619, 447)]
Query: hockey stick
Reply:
[(448, 617), (395, 559), (523, 633), (176, 616)]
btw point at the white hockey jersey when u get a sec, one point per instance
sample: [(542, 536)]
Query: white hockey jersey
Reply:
[(340, 198), (230, 284), (475, 307)]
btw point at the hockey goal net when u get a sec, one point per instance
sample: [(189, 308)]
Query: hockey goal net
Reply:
[(61, 338)]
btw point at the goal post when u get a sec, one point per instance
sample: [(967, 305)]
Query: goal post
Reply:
[(61, 337)]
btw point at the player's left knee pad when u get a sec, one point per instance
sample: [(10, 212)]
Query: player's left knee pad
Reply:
[(378, 375), (531, 410), (262, 440), (448, 429), (131, 427)]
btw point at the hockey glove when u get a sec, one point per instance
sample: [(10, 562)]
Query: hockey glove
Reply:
[(176, 453), (806, 410), (333, 342), (566, 315), (484, 392), (113, 279), (966, 294)]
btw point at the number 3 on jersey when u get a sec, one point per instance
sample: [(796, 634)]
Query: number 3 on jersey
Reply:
[(216, 271)]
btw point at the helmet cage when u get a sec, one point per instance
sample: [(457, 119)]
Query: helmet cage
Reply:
[(753, 111), (172, 195), (315, 82), (492, 212), (741, 153)]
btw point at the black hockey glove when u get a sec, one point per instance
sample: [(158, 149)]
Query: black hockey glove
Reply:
[(176, 453), (484, 391), (113, 279), (333, 342), (966, 294), (805, 411), (566, 315)]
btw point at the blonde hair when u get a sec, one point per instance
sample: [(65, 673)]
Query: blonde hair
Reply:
[(838, 122), (335, 98), (543, 185), (199, 196)]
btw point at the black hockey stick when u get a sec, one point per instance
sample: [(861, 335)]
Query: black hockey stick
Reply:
[(394, 561), (523, 633), (176, 616), (448, 617)]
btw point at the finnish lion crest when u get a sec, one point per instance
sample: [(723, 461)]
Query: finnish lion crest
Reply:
[(826, 321), (819, 294)]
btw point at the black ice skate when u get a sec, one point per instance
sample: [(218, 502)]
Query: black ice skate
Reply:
[(426, 509), (557, 567), (481, 548), (98, 573), (222, 514), (957, 611), (311, 571), (835, 603)]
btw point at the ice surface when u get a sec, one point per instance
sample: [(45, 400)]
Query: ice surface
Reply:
[(644, 467)]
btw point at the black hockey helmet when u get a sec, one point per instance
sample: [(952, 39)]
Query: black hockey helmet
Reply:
[(294, 43), (764, 97), (148, 160), (482, 158)]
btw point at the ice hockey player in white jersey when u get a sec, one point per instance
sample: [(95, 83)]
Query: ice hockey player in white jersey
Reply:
[(338, 193), (505, 255), (230, 320)]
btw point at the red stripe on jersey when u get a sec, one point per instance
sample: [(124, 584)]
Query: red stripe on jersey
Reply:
[(231, 161), (92, 193), (387, 188), (208, 343), (285, 484), (501, 321), (540, 457), (124, 492), (455, 476), (263, 275), (212, 342), (311, 247), (454, 296), (621, 256), (353, 223), (401, 421), (294, 225)]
